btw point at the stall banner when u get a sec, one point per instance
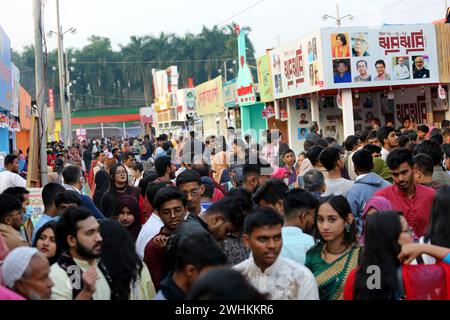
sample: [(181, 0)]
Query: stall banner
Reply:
[(147, 115), (296, 67), (25, 109), (265, 78), (358, 57), (209, 97), (5, 72), (186, 103), (51, 113), (15, 77), (245, 86), (230, 97), (288, 70), (191, 103)]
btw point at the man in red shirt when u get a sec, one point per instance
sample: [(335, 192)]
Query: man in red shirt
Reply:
[(170, 203), (413, 200)]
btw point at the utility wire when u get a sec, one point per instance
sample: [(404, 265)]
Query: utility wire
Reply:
[(241, 12)]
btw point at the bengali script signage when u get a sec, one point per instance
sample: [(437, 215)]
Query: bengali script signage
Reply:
[(296, 67), (388, 55), (209, 97)]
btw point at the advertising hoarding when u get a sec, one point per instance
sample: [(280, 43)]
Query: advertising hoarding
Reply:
[(389, 55)]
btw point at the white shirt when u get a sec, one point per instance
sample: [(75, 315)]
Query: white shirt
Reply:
[(337, 187), (150, 229), (384, 154), (9, 179), (284, 280), (401, 72), (130, 176)]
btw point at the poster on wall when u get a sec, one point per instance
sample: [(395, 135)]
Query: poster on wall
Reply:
[(388, 55), (265, 78), (230, 97), (439, 102)]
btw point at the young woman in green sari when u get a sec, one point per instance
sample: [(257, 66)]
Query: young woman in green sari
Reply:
[(337, 252)]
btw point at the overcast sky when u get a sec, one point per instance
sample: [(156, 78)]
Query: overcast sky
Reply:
[(270, 20)]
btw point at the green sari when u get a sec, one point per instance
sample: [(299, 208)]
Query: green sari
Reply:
[(331, 277)]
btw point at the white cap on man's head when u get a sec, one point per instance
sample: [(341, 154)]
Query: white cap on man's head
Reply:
[(16, 263)]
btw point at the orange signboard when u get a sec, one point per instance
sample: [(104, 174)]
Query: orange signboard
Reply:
[(25, 109)]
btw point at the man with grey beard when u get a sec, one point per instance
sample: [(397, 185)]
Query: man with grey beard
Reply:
[(26, 272)]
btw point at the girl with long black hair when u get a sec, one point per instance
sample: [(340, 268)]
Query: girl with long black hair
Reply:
[(337, 251), (382, 274), (119, 187), (130, 277)]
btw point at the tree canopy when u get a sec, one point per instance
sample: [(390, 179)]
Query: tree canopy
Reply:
[(119, 78)]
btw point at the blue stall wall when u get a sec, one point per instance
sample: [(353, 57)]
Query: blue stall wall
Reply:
[(4, 140), (251, 119)]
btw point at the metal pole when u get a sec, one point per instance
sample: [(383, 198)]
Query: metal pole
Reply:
[(225, 70), (69, 111), (64, 113), (40, 89)]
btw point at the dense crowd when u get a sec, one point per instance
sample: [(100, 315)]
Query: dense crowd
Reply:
[(175, 218)]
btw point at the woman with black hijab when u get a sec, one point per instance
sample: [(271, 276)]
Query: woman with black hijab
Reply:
[(128, 214)]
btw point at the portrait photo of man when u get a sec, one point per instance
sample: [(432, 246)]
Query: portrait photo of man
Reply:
[(303, 119), (342, 72), (363, 71), (401, 68), (301, 104), (419, 70), (380, 66)]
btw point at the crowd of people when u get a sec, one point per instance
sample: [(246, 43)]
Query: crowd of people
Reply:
[(181, 218)]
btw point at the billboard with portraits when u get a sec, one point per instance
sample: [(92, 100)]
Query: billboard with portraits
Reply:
[(388, 55)]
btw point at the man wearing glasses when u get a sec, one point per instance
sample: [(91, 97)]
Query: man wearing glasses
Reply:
[(222, 217), (11, 221), (170, 204), (189, 182)]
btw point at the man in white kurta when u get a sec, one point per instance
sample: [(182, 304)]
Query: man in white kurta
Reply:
[(278, 277), (284, 280)]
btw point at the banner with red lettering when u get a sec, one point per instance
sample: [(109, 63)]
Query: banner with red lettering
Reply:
[(209, 97), (390, 55), (296, 67)]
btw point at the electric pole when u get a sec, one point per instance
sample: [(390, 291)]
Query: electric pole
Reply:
[(62, 88), (40, 90)]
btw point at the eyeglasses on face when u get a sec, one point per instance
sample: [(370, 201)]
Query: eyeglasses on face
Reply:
[(178, 211), (194, 192)]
